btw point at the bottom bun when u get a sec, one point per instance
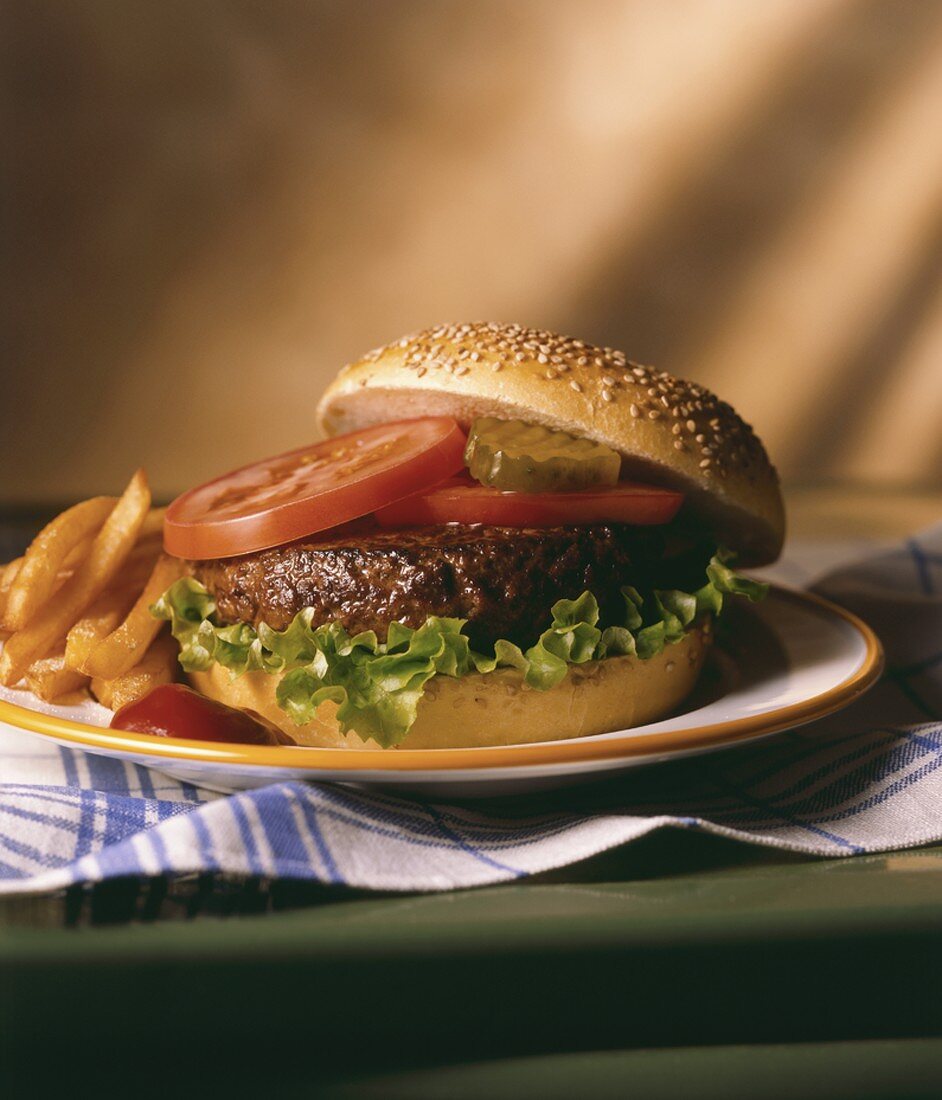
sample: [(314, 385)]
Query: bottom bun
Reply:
[(498, 708)]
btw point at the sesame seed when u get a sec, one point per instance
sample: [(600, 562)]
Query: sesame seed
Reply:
[(679, 445), (720, 435), (705, 463)]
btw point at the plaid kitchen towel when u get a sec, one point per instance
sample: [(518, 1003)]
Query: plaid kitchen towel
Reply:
[(865, 780)]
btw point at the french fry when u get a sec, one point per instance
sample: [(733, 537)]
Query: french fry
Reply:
[(153, 525), (102, 690), (109, 551), (133, 574), (10, 571), (38, 576), (141, 561), (80, 551), (98, 621), (50, 679), (124, 647), (158, 666)]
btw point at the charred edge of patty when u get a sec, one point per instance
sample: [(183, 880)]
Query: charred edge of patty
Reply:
[(503, 581)]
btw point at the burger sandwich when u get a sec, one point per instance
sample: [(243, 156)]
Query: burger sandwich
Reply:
[(506, 536)]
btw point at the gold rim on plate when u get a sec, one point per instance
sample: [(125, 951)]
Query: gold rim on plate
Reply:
[(577, 750)]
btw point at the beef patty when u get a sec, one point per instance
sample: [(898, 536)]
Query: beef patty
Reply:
[(502, 580)]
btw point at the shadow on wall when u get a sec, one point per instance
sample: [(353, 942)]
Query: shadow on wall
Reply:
[(216, 205), (683, 278)]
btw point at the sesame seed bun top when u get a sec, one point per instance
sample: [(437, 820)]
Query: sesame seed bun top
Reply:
[(668, 431)]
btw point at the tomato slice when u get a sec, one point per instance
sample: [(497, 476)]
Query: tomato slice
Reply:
[(316, 487), (173, 710), (462, 500)]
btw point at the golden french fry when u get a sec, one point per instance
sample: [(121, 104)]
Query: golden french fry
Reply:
[(6, 581), (124, 647), (38, 576), (109, 551), (101, 689), (141, 561), (77, 555), (153, 525), (111, 607), (106, 613), (10, 571), (50, 679), (158, 666)]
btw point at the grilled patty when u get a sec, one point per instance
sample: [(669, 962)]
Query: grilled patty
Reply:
[(502, 580)]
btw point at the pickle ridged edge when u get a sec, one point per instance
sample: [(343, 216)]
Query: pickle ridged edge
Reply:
[(515, 456)]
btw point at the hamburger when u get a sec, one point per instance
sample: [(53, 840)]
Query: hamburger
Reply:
[(542, 554)]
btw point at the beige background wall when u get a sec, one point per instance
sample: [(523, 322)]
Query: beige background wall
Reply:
[(210, 206)]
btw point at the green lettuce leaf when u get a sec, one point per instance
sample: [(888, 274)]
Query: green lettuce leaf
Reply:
[(377, 686)]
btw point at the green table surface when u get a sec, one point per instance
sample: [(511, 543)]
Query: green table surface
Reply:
[(680, 943)]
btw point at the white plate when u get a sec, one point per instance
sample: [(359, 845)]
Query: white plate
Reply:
[(794, 658)]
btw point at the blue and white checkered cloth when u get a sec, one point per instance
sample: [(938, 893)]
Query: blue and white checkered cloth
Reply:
[(866, 780)]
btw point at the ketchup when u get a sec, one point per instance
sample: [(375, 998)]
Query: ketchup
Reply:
[(172, 710)]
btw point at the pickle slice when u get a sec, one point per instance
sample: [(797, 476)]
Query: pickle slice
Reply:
[(526, 458)]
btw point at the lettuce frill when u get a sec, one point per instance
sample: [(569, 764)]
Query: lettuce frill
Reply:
[(377, 685)]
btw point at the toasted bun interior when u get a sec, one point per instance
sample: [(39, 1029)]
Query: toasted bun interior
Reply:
[(497, 708), (667, 431)]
